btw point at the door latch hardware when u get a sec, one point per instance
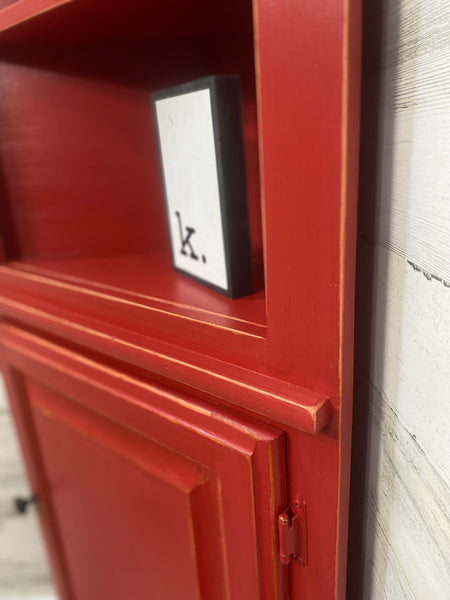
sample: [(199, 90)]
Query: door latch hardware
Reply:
[(293, 534)]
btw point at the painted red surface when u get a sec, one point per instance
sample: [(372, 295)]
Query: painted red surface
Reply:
[(141, 475), (91, 306)]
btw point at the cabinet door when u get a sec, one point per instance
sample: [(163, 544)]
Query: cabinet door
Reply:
[(147, 492)]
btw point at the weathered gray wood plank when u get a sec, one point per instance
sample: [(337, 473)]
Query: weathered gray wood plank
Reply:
[(414, 205), (401, 473)]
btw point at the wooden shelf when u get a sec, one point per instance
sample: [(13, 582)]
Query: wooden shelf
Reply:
[(143, 294), (78, 147), (122, 306), (83, 225), (151, 281)]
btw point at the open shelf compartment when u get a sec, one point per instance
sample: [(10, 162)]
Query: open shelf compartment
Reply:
[(80, 174)]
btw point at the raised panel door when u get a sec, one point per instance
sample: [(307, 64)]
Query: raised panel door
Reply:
[(150, 493)]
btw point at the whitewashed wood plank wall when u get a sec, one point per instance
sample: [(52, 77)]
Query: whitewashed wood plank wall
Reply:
[(400, 499), (24, 571)]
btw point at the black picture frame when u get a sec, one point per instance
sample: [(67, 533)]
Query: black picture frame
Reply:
[(226, 112)]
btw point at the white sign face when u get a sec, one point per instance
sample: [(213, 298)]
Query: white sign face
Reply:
[(192, 189)]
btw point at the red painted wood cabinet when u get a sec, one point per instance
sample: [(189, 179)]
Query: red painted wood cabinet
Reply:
[(180, 444)]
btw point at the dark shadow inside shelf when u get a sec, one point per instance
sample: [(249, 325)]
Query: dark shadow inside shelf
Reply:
[(61, 22)]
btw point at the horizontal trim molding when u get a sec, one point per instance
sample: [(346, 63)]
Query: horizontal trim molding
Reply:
[(230, 385)]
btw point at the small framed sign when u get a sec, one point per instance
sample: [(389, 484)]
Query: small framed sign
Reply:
[(199, 128)]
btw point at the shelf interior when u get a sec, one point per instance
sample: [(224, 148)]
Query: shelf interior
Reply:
[(79, 163)]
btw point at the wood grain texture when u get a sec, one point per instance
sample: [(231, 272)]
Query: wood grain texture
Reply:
[(414, 216), (403, 455), (400, 522)]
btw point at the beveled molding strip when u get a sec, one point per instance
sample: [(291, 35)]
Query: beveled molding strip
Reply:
[(55, 282), (19, 12), (41, 275), (229, 384)]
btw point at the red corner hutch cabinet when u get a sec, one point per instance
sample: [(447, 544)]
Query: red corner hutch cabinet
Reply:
[(180, 444)]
